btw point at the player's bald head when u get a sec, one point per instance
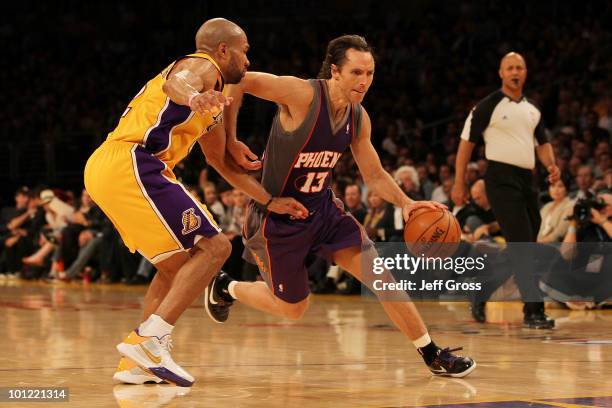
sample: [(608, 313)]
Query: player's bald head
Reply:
[(216, 31), (512, 56)]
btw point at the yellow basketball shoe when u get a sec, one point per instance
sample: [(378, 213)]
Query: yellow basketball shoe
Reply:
[(128, 372), (153, 354)]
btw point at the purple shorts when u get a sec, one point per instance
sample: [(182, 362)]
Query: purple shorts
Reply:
[(279, 245)]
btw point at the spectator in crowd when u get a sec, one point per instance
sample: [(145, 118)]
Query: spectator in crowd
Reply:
[(80, 237), (391, 140), (16, 238), (605, 119), (427, 186), (78, 231), (554, 214), (352, 200), (226, 194), (212, 202), (584, 183), (57, 214), (605, 184), (592, 125), (408, 180), (379, 221), (582, 276), (442, 193), (482, 222), (473, 173), (602, 164)]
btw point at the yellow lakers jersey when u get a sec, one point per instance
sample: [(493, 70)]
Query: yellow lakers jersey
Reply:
[(166, 129)]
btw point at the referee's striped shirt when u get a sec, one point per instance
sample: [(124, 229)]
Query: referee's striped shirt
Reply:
[(511, 129)]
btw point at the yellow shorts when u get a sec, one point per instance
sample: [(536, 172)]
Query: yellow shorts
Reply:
[(152, 211)]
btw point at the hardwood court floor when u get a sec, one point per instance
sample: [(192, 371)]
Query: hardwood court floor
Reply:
[(343, 353)]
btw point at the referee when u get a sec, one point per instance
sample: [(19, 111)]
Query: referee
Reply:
[(513, 134)]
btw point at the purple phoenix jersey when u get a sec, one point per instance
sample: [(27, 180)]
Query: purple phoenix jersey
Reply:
[(299, 164)]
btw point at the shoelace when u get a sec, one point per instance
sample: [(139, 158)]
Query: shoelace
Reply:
[(450, 350), (445, 355), (166, 342)]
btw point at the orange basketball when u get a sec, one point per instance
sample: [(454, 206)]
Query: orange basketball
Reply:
[(432, 232)]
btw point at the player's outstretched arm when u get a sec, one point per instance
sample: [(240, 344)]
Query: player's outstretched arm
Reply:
[(213, 147), (191, 83), (290, 91), (375, 176), (294, 95), (240, 152)]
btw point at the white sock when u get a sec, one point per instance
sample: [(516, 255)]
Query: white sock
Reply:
[(231, 288), (422, 341), (155, 326)]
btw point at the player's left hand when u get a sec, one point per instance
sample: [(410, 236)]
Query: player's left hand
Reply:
[(288, 205), (554, 174), (243, 155), (408, 209), (210, 101)]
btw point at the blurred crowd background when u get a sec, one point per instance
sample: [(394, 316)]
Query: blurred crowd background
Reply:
[(69, 71)]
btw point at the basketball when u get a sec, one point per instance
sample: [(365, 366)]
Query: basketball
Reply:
[(432, 233)]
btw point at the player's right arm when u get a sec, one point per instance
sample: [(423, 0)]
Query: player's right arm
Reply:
[(213, 147), (239, 151), (191, 83), (292, 94)]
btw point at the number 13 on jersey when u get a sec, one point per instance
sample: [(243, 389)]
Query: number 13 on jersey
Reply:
[(314, 182)]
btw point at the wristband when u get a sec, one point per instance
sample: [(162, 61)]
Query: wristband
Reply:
[(571, 229), (191, 98), (268, 203)]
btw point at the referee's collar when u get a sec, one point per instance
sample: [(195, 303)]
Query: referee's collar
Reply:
[(521, 99)]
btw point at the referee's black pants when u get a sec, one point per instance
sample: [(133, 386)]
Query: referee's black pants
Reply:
[(513, 200)]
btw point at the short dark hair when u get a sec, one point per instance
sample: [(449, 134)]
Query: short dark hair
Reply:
[(24, 190), (353, 185), (336, 52)]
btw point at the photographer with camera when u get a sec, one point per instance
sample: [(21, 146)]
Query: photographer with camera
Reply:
[(584, 270)]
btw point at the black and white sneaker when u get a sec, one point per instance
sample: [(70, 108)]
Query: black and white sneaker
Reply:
[(446, 364), (535, 318), (538, 321), (217, 300)]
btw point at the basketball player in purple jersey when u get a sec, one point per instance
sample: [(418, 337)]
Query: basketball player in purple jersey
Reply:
[(316, 122)]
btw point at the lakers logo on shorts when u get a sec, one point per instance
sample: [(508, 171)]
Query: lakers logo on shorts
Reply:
[(191, 221)]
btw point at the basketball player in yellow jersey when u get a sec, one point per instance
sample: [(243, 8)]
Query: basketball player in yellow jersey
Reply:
[(130, 177)]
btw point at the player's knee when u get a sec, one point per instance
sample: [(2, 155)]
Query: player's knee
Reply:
[(225, 249), (166, 275), (219, 246), (295, 311), (168, 268)]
